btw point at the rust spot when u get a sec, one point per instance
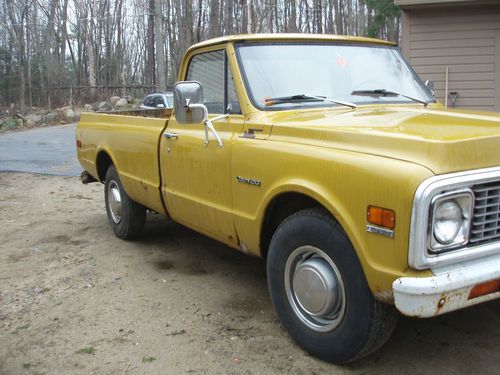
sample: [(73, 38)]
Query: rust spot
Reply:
[(441, 303), (385, 296)]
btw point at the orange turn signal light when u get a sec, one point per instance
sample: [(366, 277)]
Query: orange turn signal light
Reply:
[(485, 288), (383, 217)]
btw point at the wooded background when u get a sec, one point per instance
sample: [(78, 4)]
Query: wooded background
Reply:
[(92, 48)]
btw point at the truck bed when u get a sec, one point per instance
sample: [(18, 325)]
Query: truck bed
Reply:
[(134, 138)]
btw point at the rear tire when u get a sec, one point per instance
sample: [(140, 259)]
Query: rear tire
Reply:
[(320, 293), (127, 217)]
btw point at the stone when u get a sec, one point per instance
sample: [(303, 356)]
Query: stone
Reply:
[(33, 118), (69, 114), (20, 122), (19, 116), (30, 123), (130, 99), (49, 117), (121, 103), (114, 100), (105, 106), (88, 108), (9, 124)]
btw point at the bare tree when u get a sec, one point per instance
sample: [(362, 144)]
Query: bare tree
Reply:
[(161, 64), (48, 45)]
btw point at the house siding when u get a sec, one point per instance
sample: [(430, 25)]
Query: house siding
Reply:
[(464, 39)]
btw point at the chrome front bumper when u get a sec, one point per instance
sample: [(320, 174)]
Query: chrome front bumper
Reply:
[(447, 290)]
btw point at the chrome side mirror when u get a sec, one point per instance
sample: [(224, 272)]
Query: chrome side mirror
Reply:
[(188, 103), (189, 107)]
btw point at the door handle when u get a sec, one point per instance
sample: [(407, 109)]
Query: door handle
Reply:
[(171, 135)]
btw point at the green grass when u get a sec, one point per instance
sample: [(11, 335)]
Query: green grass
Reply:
[(147, 359), (86, 350)]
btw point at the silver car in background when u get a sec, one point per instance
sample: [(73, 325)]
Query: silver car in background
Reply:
[(158, 100)]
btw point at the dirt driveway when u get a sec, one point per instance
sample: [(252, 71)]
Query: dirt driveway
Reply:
[(76, 300)]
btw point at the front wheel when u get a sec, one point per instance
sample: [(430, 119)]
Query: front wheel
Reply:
[(127, 217), (319, 290)]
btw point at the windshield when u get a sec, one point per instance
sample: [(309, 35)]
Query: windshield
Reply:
[(328, 70)]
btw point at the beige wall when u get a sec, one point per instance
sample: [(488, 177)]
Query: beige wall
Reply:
[(464, 39)]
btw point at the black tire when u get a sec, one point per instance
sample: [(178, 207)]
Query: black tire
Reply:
[(355, 324), (129, 219)]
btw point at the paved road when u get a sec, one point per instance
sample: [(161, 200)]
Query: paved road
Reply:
[(43, 150)]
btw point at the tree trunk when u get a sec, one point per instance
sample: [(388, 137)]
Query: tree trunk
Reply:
[(229, 17), (292, 22), (161, 64), (90, 53), (64, 37), (150, 48), (28, 62)]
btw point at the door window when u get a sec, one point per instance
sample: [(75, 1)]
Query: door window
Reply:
[(212, 71), (148, 101)]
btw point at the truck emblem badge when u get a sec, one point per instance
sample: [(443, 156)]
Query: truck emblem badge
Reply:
[(249, 181), (378, 230)]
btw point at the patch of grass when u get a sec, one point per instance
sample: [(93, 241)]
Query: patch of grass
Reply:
[(27, 365), (86, 350), (147, 359), (16, 331)]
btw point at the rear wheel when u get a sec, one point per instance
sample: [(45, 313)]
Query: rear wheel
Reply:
[(127, 217), (319, 290)]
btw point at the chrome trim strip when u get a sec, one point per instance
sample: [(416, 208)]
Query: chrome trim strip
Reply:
[(378, 230), (418, 256)]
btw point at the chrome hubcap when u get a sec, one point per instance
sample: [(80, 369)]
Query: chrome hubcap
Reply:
[(314, 288), (115, 202)]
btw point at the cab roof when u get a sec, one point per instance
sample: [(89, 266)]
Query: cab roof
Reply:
[(289, 37)]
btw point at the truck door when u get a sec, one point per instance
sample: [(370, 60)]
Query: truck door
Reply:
[(196, 178)]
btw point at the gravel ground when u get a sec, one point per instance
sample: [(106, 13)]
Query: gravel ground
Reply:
[(76, 300)]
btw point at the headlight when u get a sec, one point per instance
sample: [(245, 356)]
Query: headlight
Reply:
[(447, 222), (451, 215)]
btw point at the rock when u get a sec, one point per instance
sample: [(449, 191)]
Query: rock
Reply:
[(9, 124), (130, 99), (69, 114), (121, 103), (19, 116), (30, 123), (33, 118), (88, 108), (49, 117), (114, 100), (20, 122), (105, 106)]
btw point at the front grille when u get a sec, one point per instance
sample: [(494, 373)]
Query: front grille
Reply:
[(486, 218)]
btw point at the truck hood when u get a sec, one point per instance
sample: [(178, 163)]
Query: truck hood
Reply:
[(442, 140)]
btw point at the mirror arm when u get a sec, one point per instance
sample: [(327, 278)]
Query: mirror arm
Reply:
[(219, 117), (207, 122), (209, 125)]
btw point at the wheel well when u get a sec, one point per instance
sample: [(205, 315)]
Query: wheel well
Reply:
[(278, 210), (103, 162)]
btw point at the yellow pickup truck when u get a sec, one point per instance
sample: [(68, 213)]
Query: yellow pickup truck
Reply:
[(328, 157)]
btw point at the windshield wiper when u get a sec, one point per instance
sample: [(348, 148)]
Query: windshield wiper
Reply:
[(305, 98), (385, 93)]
